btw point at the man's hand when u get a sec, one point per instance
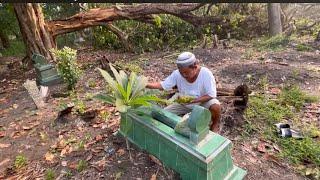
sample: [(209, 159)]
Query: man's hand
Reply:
[(156, 85)]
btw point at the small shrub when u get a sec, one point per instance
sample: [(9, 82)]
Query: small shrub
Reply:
[(20, 161), (67, 66), (82, 165), (50, 174)]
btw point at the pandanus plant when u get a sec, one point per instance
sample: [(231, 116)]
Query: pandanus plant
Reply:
[(128, 93)]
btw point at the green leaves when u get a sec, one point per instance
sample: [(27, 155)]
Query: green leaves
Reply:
[(67, 65), (128, 92)]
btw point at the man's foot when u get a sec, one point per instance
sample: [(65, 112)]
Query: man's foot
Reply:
[(215, 128)]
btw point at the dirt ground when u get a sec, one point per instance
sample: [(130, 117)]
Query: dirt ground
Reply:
[(60, 145)]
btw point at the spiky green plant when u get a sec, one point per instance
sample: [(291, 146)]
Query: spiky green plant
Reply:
[(127, 91)]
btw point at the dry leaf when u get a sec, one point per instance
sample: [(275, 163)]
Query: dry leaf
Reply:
[(66, 150), (275, 91), (64, 163), (121, 152), (98, 137), (100, 165), (73, 165), (15, 106), (2, 134), (4, 145), (4, 161), (97, 149), (154, 159), (49, 156), (16, 134), (153, 177), (89, 157), (261, 148)]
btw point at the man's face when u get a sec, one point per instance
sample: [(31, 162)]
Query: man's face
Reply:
[(188, 72)]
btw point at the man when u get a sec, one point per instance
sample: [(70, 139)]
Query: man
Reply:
[(193, 80)]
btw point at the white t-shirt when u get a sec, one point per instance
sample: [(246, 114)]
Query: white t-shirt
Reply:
[(205, 84)]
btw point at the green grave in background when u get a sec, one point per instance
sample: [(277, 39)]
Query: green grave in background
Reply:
[(47, 75), (202, 155)]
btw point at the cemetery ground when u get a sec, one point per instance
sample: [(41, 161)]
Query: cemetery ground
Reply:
[(35, 144)]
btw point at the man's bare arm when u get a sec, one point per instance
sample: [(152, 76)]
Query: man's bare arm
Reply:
[(202, 99), (155, 85)]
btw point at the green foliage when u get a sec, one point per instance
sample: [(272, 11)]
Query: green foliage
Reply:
[(59, 10), (169, 32), (303, 47), (67, 66), (132, 66), (16, 48), (299, 151), (82, 165), (20, 161), (274, 43), (80, 107), (49, 174), (293, 96), (302, 23), (8, 22), (128, 91)]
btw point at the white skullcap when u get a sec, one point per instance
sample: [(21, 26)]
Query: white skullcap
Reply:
[(185, 59)]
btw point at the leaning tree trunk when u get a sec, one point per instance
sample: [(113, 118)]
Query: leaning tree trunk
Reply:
[(274, 19), (34, 31)]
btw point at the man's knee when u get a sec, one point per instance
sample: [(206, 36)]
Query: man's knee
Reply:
[(215, 108)]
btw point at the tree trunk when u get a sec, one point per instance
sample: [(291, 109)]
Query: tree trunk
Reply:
[(274, 19), (4, 40), (34, 31)]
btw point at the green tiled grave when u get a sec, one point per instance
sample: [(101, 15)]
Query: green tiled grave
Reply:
[(46, 73), (208, 158)]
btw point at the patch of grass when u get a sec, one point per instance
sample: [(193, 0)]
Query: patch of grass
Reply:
[(50, 175), (262, 108), (303, 47), (82, 165), (105, 115), (275, 43), (20, 161), (81, 145), (132, 66), (300, 151), (294, 96), (263, 112), (248, 54), (92, 83), (88, 96), (17, 48), (68, 174)]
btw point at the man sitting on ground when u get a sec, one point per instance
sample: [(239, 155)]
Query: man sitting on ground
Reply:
[(192, 80)]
